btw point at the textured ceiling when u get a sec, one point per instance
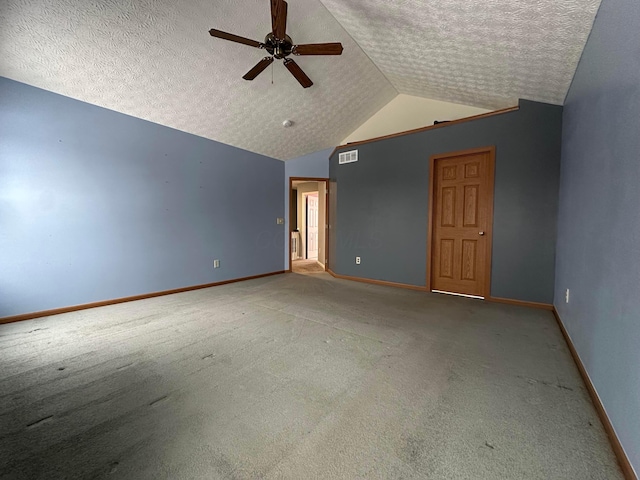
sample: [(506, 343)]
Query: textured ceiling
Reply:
[(484, 53), (154, 59)]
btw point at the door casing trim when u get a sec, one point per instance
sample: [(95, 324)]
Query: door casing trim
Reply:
[(326, 225)]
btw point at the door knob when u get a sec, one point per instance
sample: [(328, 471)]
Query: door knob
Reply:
[(480, 233)]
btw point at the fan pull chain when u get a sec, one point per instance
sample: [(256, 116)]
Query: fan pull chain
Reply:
[(272, 72)]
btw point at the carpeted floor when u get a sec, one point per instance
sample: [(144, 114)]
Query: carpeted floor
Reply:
[(306, 266), (296, 377)]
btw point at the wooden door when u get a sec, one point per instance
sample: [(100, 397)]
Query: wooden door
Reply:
[(312, 226), (461, 215)]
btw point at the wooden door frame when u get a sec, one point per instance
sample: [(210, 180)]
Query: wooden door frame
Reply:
[(491, 150), (305, 196), (326, 217)]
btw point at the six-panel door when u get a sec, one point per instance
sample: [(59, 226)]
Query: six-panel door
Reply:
[(462, 192)]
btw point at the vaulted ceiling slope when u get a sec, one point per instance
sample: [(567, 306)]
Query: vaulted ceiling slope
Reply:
[(483, 53), (155, 60)]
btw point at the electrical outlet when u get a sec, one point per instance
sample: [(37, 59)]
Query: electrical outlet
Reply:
[(216, 264), (566, 296), (357, 260)]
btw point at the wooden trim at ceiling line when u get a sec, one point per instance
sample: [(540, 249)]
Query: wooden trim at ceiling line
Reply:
[(428, 127), (618, 450), (57, 311), (521, 303)]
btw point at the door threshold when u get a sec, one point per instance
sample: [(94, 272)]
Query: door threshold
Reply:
[(458, 294)]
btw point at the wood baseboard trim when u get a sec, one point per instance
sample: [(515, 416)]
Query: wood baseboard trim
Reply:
[(521, 303), (618, 450), (377, 282), (56, 311)]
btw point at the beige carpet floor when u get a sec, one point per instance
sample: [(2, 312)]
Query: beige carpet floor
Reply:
[(306, 266), (296, 377)]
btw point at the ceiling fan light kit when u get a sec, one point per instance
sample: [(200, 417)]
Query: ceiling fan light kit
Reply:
[(279, 46)]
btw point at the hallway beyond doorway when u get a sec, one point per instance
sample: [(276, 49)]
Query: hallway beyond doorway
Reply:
[(308, 221), (306, 266)]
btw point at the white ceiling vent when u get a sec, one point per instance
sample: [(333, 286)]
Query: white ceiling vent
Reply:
[(348, 157)]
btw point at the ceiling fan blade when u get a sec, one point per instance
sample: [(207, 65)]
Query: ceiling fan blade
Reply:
[(258, 69), (318, 49), (297, 72), (279, 18), (234, 38)]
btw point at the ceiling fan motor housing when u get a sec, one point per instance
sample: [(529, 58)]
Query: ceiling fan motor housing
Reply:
[(278, 48)]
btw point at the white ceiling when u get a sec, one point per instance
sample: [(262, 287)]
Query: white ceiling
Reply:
[(483, 53), (155, 60)]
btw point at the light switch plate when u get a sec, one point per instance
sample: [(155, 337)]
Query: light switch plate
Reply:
[(280, 221)]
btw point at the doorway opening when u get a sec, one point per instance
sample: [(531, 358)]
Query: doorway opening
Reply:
[(459, 241), (308, 225)]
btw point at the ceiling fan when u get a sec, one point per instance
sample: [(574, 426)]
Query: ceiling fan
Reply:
[(280, 46)]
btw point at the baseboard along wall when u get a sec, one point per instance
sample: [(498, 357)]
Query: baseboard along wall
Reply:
[(377, 282), (618, 449), (521, 303), (56, 311), (623, 460)]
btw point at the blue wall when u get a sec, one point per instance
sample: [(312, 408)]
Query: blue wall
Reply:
[(598, 247), (96, 205), (312, 165), (382, 202)]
